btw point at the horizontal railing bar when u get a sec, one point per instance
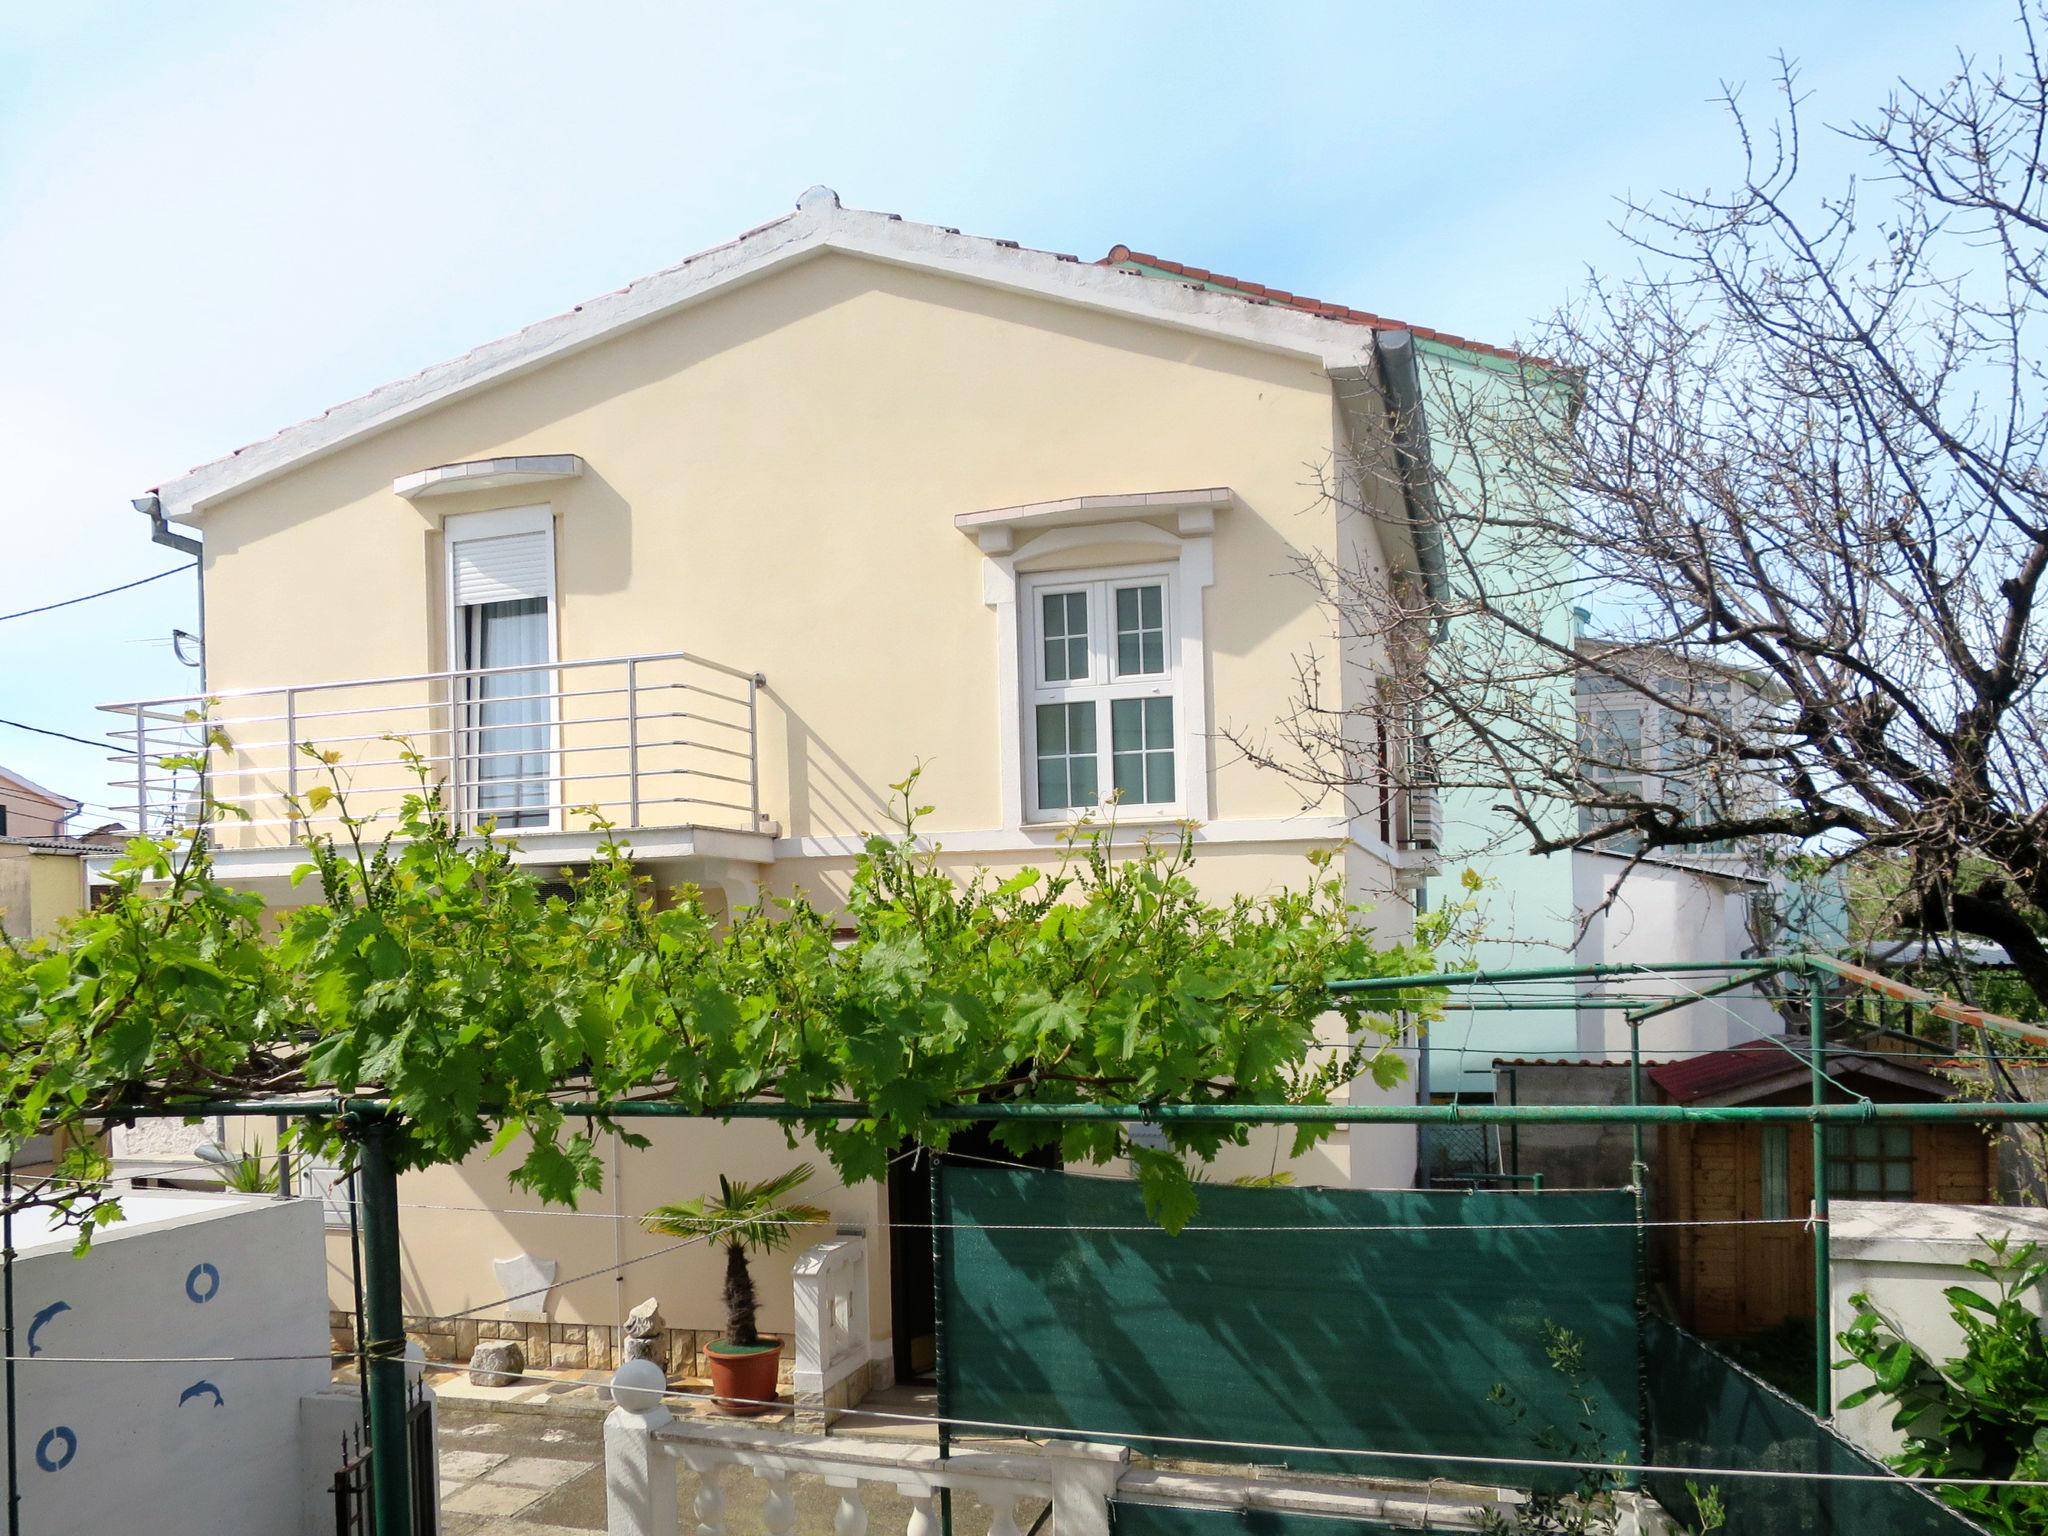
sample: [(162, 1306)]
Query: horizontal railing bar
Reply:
[(651, 659), (278, 765), (199, 729), (1935, 1113), (410, 706), (478, 754), (599, 803)]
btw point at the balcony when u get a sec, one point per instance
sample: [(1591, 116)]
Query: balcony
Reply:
[(663, 748)]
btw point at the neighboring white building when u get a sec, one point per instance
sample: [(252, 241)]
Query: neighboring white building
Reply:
[(199, 1448), (1662, 911)]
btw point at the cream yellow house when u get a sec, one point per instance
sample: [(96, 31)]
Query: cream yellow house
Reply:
[(725, 552), (42, 861)]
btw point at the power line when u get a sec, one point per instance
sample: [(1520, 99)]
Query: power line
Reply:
[(20, 725), (103, 592)]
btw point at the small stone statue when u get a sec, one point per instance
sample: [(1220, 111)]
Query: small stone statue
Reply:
[(646, 1336)]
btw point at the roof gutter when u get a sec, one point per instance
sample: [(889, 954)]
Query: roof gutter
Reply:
[(1401, 387), (160, 532)]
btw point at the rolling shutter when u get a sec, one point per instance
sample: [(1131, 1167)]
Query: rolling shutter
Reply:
[(502, 569)]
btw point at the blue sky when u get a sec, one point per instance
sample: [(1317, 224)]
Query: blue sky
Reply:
[(216, 219)]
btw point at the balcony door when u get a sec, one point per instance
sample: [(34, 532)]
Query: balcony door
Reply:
[(502, 688)]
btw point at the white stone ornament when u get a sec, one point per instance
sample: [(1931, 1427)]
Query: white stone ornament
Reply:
[(527, 1280)]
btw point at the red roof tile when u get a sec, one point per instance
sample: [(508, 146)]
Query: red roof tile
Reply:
[(1696, 1077), (1120, 254)]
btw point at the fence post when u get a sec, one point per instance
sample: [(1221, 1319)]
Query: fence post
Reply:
[(1638, 1178), (940, 1375), (13, 1407), (384, 1329), (1084, 1475), (639, 1476), (754, 685), (141, 778), (633, 741), (1816, 1025)]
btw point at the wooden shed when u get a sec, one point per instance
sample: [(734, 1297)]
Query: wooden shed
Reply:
[(1730, 1281)]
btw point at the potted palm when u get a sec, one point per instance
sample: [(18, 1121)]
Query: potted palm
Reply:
[(761, 1218)]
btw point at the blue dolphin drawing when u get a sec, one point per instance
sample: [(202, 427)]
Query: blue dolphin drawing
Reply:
[(41, 1318), (197, 1389)]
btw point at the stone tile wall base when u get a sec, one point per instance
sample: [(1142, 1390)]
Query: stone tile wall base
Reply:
[(571, 1346)]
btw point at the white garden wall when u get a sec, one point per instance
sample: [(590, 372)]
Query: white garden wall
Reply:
[(193, 1449), (1904, 1255)]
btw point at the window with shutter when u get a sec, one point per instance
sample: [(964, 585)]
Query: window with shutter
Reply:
[(501, 571)]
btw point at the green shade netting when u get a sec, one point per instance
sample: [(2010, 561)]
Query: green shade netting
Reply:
[(1173, 1520), (1705, 1411), (1306, 1334)]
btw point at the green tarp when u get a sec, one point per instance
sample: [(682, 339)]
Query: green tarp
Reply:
[(1705, 1411), (1173, 1520), (1066, 1309)]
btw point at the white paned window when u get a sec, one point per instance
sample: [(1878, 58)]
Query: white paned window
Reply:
[(501, 600), (1102, 713)]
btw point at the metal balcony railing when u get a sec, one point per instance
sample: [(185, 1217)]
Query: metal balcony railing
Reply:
[(665, 740)]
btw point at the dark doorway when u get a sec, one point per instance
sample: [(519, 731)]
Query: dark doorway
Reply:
[(912, 1273)]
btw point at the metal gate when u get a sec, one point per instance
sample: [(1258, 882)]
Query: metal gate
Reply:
[(353, 1514)]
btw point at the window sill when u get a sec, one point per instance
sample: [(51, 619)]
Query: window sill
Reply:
[(1134, 818)]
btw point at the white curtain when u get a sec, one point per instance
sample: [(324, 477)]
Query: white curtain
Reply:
[(506, 765)]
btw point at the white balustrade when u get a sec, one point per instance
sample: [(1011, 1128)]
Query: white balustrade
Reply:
[(645, 1445)]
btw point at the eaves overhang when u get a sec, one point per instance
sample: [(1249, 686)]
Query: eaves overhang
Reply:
[(818, 225)]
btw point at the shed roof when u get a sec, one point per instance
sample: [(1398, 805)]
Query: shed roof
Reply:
[(1760, 1067)]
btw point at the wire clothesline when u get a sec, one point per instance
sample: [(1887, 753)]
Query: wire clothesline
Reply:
[(1075, 1432)]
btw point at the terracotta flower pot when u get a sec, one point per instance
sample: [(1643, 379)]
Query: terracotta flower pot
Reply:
[(743, 1378)]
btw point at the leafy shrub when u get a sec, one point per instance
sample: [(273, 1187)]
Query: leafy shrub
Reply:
[(1983, 1414)]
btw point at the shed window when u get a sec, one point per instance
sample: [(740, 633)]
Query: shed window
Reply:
[(1775, 1203), (1870, 1162)]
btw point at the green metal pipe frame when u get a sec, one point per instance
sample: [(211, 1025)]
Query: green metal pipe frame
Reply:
[(1760, 964), (1672, 1005), (370, 1125), (384, 1328), (1941, 1113)]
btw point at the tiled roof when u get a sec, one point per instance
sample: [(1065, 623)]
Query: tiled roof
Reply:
[(1123, 255)]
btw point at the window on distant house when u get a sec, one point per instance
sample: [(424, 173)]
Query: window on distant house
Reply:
[(501, 570), (1101, 698), (3, 821), (1870, 1162), (1611, 759)]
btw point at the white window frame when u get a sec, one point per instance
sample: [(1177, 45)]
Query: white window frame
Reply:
[(1103, 685), (1017, 553), (460, 528)]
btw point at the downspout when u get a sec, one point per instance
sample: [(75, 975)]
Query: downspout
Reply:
[(161, 532), (1408, 428)]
